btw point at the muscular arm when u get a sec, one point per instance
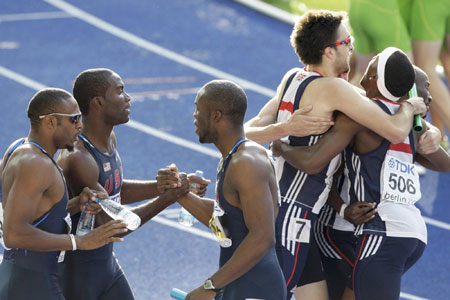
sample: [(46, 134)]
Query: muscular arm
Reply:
[(137, 190), (249, 177), (341, 96), (312, 159), (200, 208), (428, 151), (81, 170), (24, 203)]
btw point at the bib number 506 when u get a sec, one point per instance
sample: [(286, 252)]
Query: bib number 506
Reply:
[(398, 182)]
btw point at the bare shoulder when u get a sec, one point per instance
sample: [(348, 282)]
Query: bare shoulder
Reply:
[(251, 158), (79, 156), (28, 159), (79, 167)]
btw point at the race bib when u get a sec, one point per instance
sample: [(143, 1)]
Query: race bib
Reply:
[(1, 228), (400, 181), (217, 228), (299, 230)]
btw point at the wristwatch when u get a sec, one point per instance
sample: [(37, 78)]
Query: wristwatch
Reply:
[(208, 285)]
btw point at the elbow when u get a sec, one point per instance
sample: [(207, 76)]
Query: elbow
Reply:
[(398, 137), (9, 240)]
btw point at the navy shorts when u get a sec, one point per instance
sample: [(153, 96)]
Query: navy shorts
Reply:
[(338, 254), (23, 284), (95, 280), (294, 237), (381, 263)]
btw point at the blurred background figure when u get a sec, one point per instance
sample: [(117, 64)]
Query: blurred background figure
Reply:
[(377, 25), (429, 25)]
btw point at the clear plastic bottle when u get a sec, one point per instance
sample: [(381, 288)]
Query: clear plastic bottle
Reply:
[(185, 218), (85, 223), (120, 212)]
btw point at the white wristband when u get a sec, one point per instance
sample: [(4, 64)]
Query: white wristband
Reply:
[(74, 243), (342, 210)]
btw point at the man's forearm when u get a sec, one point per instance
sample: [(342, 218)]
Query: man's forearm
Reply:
[(201, 208), (137, 190), (265, 134)]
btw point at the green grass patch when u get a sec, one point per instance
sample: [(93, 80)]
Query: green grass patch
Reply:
[(299, 7)]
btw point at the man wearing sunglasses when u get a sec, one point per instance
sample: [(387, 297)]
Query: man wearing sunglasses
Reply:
[(323, 44), (34, 219), (95, 163)]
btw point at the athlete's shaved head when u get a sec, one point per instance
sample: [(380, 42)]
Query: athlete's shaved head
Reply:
[(89, 84), (228, 97), (44, 102)]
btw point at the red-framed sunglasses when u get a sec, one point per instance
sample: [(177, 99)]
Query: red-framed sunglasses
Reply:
[(344, 42)]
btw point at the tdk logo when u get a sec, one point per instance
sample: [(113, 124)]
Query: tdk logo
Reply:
[(400, 166)]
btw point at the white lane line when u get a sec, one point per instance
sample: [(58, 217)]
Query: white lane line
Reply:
[(437, 223), (411, 297), (34, 85), (35, 16), (131, 123), (140, 42), (161, 134), (173, 139)]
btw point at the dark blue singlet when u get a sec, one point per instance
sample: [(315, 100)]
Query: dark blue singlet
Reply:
[(265, 280), (29, 274), (96, 274)]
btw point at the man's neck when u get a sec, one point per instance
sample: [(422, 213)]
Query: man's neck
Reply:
[(322, 69), (98, 133), (227, 141), (47, 145)]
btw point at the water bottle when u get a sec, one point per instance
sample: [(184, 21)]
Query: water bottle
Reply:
[(185, 218), (85, 223), (120, 212)]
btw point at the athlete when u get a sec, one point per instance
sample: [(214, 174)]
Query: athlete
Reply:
[(364, 165), (34, 221), (95, 163), (324, 45), (243, 214)]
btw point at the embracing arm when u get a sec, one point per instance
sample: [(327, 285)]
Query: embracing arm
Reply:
[(312, 159), (429, 153), (343, 97)]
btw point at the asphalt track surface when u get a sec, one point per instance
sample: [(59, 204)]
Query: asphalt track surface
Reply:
[(165, 51)]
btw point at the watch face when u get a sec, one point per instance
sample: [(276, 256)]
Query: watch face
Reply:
[(208, 285)]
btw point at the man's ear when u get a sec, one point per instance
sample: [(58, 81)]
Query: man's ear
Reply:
[(97, 102), (216, 115), (49, 122), (329, 52)]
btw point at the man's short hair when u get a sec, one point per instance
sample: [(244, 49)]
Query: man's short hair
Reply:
[(228, 97), (89, 84), (44, 102), (313, 32), (399, 74)]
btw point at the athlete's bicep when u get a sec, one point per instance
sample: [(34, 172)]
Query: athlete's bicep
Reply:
[(251, 182), (24, 196), (82, 171), (366, 112)]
